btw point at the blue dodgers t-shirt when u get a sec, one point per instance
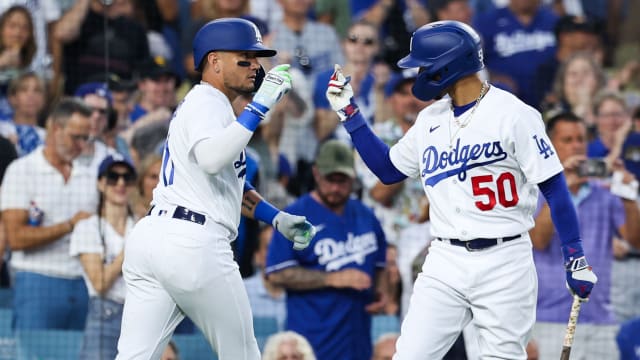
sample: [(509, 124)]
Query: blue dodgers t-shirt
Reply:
[(516, 50), (333, 320)]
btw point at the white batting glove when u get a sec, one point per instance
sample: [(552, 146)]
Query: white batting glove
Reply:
[(340, 94), (295, 228), (580, 278), (276, 83)]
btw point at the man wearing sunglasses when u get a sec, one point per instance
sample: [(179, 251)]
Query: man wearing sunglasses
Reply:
[(98, 98), (44, 195), (360, 47), (179, 260)]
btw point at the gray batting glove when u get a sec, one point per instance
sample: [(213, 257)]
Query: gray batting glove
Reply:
[(295, 228), (276, 83), (340, 94)]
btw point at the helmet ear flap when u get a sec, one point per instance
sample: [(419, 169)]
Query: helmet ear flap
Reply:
[(203, 62)]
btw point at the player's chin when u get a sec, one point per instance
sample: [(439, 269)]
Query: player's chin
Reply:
[(245, 89)]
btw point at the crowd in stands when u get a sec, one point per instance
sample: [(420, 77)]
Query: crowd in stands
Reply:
[(87, 91)]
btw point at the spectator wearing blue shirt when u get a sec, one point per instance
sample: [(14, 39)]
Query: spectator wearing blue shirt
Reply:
[(335, 284), (516, 40)]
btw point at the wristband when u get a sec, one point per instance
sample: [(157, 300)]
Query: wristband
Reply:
[(354, 123), (252, 115), (572, 251), (265, 212), (348, 111)]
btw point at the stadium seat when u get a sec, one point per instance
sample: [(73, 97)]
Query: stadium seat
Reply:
[(48, 344), (193, 347), (382, 324), (263, 327)]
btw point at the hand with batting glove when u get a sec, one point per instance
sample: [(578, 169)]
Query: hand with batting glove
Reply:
[(295, 228), (275, 84), (580, 278), (340, 94)]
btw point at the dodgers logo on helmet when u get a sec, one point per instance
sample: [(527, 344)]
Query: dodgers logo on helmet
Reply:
[(445, 51), (228, 34)]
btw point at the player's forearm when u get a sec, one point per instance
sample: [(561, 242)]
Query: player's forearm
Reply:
[(213, 153), (254, 206), (632, 223), (298, 278)]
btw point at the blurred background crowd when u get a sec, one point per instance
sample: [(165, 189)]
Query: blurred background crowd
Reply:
[(88, 87)]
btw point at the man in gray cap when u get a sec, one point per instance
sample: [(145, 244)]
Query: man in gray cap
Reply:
[(337, 281)]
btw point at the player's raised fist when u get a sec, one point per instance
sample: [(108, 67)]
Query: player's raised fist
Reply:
[(340, 94), (295, 228), (580, 278), (276, 83)]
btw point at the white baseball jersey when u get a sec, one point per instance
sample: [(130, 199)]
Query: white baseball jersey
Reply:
[(480, 179), (204, 111)]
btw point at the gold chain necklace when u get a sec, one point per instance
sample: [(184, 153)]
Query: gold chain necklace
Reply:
[(460, 124)]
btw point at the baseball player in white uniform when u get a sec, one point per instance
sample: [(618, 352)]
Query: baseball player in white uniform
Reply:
[(178, 259), (481, 155)]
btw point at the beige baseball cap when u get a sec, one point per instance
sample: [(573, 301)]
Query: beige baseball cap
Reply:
[(335, 156)]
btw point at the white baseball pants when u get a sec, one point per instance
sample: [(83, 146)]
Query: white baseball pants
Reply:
[(497, 287), (175, 268)]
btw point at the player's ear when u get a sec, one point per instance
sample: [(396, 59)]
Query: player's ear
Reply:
[(212, 59)]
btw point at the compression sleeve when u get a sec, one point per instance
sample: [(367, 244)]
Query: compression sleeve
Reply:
[(212, 153), (563, 215), (372, 150)]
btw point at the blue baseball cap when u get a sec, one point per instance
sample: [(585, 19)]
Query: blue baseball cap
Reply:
[(398, 79), (95, 88), (112, 160)]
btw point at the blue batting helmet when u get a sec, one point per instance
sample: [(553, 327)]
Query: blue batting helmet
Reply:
[(445, 51), (228, 34)]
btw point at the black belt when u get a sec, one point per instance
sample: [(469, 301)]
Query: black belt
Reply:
[(183, 213), (480, 243)]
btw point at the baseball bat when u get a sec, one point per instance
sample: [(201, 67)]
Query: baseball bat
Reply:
[(571, 328)]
